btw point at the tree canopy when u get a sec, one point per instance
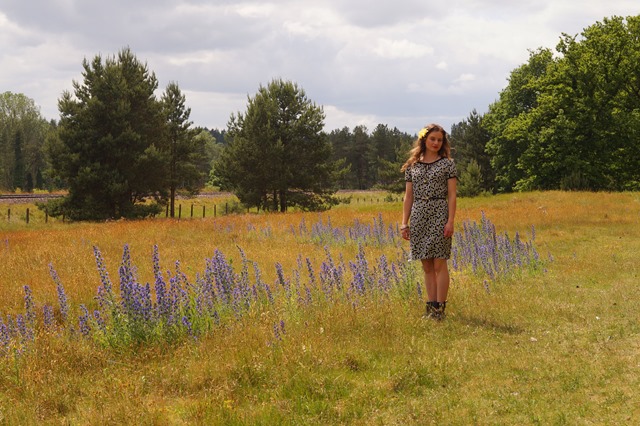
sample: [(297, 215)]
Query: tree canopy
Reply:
[(23, 132), (569, 118), (111, 148), (186, 152), (572, 120), (277, 155)]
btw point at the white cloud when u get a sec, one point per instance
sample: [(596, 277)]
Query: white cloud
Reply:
[(395, 49), (337, 118), (401, 63)]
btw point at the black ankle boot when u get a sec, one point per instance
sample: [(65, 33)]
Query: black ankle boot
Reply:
[(431, 309), (439, 311)]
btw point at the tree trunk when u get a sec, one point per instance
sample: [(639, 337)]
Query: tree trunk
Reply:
[(172, 201), (283, 201)]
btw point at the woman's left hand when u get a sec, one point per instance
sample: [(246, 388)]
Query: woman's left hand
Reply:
[(448, 229)]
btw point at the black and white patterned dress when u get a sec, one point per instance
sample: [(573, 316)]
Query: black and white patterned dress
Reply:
[(429, 212)]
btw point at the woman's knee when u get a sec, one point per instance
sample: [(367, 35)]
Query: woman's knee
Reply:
[(428, 265), (439, 265)]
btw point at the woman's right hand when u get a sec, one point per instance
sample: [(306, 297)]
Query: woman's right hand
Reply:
[(405, 233)]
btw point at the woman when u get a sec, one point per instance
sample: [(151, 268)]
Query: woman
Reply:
[(429, 210)]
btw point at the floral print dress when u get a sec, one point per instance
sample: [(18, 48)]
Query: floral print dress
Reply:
[(429, 212)]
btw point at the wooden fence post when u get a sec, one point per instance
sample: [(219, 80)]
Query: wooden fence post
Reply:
[(203, 208), (27, 215), (179, 211)]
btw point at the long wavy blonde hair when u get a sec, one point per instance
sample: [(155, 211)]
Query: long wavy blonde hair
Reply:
[(420, 147)]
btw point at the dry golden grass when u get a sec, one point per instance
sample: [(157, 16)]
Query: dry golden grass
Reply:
[(562, 347)]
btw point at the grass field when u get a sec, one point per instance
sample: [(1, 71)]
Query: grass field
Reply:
[(555, 344)]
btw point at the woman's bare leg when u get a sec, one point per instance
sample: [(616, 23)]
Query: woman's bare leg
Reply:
[(441, 273), (430, 279)]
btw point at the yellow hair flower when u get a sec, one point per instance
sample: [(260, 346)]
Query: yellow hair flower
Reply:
[(423, 133)]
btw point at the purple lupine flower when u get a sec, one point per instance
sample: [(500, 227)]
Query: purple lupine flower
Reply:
[(269, 294), (187, 324), (281, 280), (384, 281), (48, 318), (303, 227), (25, 331), (258, 284), (83, 322), (62, 297), (5, 337), (100, 321), (312, 278), (127, 283), (243, 282), (102, 270), (276, 331), (146, 305), (454, 258), (358, 282), (156, 261), (326, 280), (223, 276), (174, 297), (12, 329), (162, 300), (30, 307)]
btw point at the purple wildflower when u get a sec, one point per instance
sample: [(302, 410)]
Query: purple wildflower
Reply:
[(102, 270), (276, 331), (99, 321), (62, 297), (25, 331), (5, 338), (30, 307), (83, 322), (48, 317), (187, 324)]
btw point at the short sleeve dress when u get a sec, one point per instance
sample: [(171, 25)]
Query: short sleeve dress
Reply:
[(429, 212)]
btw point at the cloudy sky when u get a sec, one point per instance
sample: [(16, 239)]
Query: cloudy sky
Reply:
[(403, 63)]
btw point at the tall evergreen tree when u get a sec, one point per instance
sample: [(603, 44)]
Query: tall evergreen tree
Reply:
[(111, 135), (469, 144), (278, 156), (185, 151), (341, 141), (361, 158)]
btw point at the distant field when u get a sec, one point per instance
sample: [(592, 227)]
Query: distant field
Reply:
[(556, 343)]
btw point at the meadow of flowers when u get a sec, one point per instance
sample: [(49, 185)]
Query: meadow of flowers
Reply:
[(317, 318), (126, 311)]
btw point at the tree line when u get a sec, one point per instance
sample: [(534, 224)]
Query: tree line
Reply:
[(568, 119)]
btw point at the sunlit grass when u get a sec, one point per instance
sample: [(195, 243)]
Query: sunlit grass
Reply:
[(559, 347)]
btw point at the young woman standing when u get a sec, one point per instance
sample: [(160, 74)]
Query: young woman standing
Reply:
[(429, 210)]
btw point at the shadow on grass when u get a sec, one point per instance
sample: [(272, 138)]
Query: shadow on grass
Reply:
[(490, 325)]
